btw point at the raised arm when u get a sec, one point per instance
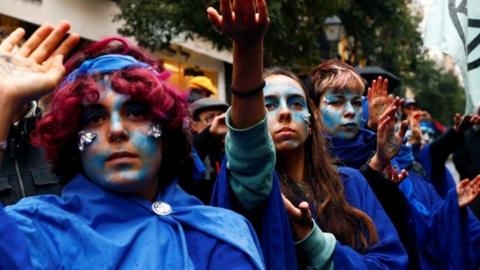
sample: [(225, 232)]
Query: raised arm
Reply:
[(31, 71), (246, 22), (249, 147)]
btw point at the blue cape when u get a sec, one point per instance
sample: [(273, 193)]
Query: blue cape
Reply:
[(88, 227), (446, 236), (275, 232), (355, 152), (445, 182)]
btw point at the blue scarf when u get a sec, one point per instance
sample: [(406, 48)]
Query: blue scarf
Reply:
[(105, 64), (88, 227), (355, 152), (275, 234)]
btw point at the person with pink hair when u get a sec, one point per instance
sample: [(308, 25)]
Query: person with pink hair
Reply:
[(116, 132)]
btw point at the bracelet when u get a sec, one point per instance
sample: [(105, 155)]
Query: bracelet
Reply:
[(3, 145), (249, 93)]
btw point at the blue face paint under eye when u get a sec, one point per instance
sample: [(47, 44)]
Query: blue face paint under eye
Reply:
[(287, 112), (130, 163), (341, 113)]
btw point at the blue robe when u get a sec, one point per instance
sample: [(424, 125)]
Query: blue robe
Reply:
[(91, 228), (447, 237), (275, 232), (443, 182), (354, 152), (429, 217)]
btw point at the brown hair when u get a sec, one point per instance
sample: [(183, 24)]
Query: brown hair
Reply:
[(333, 74), (349, 225)]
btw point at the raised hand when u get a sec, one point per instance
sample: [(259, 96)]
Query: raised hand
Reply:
[(414, 124), (394, 175), (388, 142), (467, 191), (245, 21), (378, 101), (300, 218), (219, 127), (28, 72), (462, 123)]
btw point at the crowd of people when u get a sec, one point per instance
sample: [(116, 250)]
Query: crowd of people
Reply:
[(105, 165)]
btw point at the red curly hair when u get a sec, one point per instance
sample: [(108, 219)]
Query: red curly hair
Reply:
[(57, 131)]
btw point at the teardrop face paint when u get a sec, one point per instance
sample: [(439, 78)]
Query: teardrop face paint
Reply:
[(123, 157), (341, 112), (288, 116)]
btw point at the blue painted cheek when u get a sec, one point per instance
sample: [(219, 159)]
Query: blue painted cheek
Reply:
[(330, 118), (299, 117), (94, 162), (358, 116), (146, 144), (148, 148)]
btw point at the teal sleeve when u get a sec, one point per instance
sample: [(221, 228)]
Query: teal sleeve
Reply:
[(251, 161), (318, 248)]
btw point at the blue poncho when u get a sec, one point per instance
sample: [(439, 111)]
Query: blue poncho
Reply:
[(276, 237), (447, 237), (91, 228)]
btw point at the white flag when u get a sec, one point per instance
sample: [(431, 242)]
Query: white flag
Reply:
[(453, 26)]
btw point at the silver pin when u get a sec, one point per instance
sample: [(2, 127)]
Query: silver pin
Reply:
[(161, 208), (86, 138), (155, 131), (306, 118)]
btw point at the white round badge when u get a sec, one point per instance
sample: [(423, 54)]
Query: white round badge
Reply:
[(161, 208)]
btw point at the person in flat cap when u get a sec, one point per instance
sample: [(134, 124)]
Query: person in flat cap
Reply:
[(209, 130), (200, 87)]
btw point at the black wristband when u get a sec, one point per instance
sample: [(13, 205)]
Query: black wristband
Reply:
[(249, 93)]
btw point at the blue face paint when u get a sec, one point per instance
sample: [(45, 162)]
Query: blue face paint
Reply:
[(130, 162), (341, 113), (287, 112)]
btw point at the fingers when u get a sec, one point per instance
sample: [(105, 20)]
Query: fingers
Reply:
[(215, 18), (382, 124), (10, 42), (403, 129), (262, 11), (402, 175), (292, 211), (300, 213), (249, 7), (384, 89), (48, 45), (35, 39), (369, 94), (475, 184), (240, 8), (55, 70), (462, 184), (67, 45), (227, 16), (305, 209)]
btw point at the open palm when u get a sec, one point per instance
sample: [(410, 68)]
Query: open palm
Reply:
[(30, 71), (467, 191)]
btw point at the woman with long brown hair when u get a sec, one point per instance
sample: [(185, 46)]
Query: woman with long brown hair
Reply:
[(335, 218)]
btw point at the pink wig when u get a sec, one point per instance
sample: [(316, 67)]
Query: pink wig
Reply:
[(57, 131)]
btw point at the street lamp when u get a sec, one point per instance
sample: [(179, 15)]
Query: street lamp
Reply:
[(334, 30)]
